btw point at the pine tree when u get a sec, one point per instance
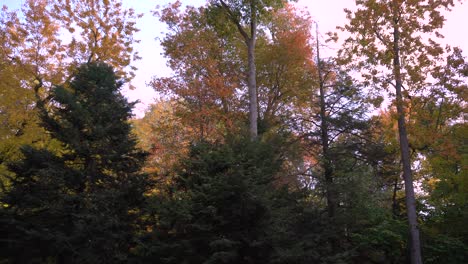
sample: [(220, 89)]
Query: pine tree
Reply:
[(78, 205)]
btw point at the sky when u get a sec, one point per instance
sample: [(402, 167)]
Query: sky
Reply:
[(328, 14)]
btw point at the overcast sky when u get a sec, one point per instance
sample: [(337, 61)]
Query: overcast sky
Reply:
[(328, 14)]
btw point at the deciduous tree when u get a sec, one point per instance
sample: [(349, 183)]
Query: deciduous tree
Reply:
[(206, 72), (390, 45), (100, 31), (246, 15)]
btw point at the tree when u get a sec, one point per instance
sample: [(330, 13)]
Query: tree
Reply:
[(162, 134), (250, 13), (206, 73), (78, 205), (35, 57), (388, 45), (437, 128), (283, 63), (331, 109), (38, 50), (101, 31), (30, 51), (207, 58), (223, 207), (386, 157)]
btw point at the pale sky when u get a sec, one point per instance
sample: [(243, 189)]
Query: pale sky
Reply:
[(328, 14)]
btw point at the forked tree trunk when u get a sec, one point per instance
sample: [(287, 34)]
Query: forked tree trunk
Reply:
[(249, 40)]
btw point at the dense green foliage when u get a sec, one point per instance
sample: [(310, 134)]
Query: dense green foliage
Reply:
[(221, 207)]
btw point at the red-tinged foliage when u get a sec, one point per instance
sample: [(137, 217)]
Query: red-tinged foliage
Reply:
[(284, 63)]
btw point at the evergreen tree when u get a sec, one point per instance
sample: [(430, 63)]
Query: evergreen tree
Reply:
[(78, 205), (224, 207)]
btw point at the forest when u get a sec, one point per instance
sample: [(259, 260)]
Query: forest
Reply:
[(259, 149)]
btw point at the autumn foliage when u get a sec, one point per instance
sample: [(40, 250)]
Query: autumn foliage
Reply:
[(258, 148)]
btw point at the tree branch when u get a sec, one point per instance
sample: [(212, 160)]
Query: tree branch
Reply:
[(236, 21)]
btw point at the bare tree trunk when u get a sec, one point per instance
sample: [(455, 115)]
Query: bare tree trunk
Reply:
[(415, 247)]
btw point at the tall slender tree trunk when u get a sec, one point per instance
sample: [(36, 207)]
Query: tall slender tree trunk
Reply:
[(327, 166), (252, 84), (252, 80), (415, 246), (250, 41)]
